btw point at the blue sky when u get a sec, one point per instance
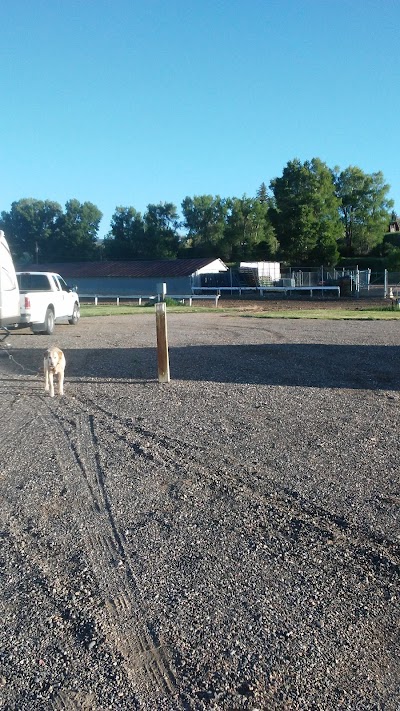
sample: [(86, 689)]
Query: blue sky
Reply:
[(121, 102)]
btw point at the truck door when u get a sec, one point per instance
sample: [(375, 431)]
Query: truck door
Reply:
[(9, 291), (63, 296)]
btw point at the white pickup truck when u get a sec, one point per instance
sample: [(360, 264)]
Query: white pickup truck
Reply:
[(45, 299), (35, 299)]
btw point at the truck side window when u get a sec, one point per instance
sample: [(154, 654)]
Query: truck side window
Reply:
[(63, 285), (56, 283)]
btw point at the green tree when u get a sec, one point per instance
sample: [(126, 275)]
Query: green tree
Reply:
[(126, 239), (77, 232), (248, 232), (153, 236), (38, 230), (262, 193), (306, 213), (364, 207), (31, 227), (204, 218), (392, 256), (161, 231)]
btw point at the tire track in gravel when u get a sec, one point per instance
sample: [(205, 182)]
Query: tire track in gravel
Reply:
[(74, 701), (55, 585), (368, 548), (16, 390), (71, 700), (142, 652), (10, 430), (139, 647)]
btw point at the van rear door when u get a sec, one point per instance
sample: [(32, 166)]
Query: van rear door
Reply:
[(9, 291)]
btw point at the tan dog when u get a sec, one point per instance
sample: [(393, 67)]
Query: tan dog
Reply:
[(54, 364)]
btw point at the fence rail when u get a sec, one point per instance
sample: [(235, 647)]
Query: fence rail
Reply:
[(153, 298), (337, 282)]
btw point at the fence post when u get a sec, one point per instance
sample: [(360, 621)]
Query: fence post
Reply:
[(357, 281), (385, 284), (162, 343)]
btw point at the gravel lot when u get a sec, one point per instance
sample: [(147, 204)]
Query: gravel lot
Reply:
[(229, 540)]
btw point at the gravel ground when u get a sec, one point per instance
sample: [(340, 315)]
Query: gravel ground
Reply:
[(229, 540)]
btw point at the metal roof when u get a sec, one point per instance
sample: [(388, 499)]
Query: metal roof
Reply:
[(136, 269)]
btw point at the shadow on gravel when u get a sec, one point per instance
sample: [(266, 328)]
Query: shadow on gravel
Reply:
[(304, 365)]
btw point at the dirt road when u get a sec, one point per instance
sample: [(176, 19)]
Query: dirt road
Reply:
[(229, 540)]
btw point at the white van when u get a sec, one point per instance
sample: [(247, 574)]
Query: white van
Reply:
[(9, 291)]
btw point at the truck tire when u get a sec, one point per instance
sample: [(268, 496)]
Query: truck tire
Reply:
[(49, 321), (75, 315)]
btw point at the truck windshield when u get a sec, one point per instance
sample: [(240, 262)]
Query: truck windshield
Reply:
[(33, 282)]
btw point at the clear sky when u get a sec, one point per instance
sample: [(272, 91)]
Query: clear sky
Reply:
[(127, 102)]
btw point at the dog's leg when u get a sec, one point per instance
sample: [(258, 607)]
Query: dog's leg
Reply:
[(46, 378), (61, 382), (51, 381)]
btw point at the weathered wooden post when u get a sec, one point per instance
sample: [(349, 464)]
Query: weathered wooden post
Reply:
[(162, 343)]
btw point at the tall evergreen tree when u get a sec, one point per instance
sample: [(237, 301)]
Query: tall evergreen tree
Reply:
[(262, 194)]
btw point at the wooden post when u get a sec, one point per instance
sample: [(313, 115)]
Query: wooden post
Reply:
[(162, 343)]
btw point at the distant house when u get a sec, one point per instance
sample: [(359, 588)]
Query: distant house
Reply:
[(134, 277), (394, 225)]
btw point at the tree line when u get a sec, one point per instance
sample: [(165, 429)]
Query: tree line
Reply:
[(310, 215)]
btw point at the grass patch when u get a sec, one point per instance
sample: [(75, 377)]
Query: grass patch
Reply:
[(372, 314), (330, 314), (127, 310)]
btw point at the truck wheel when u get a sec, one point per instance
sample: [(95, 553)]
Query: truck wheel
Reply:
[(49, 322), (75, 316)]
